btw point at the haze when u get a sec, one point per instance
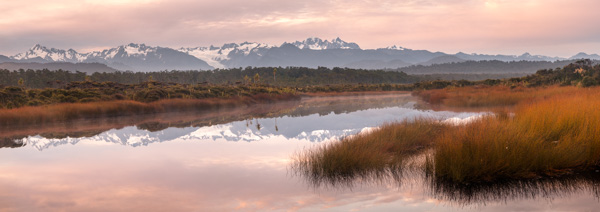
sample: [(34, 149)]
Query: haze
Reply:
[(549, 27)]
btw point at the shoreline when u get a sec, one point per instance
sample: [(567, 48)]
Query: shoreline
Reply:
[(55, 118)]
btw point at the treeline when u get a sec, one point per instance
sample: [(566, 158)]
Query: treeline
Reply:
[(151, 91), (584, 73), (278, 76), (275, 76), (484, 67)]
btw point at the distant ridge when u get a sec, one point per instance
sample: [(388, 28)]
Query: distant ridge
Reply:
[(442, 60)]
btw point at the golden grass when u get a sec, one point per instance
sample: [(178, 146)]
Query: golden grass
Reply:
[(490, 96), (365, 156), (557, 135), (554, 131), (74, 111)]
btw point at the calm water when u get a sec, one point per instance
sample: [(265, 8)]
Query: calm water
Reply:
[(228, 161)]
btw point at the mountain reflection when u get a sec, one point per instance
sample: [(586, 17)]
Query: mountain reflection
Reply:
[(119, 129), (313, 119)]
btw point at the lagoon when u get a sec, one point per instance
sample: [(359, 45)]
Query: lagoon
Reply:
[(239, 160)]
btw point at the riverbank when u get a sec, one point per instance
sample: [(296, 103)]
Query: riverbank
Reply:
[(162, 117), (39, 115)]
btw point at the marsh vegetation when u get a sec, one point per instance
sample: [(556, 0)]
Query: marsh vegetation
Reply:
[(534, 132)]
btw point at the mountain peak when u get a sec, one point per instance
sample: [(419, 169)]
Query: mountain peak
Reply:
[(136, 44), (583, 55), (38, 46), (315, 43)]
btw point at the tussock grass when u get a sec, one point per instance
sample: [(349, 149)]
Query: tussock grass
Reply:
[(554, 131), (364, 156), (560, 134)]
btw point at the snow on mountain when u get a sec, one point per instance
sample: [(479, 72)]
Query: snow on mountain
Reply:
[(306, 53), (214, 56), (59, 55), (52, 54), (130, 50), (315, 43), (135, 57), (394, 47)]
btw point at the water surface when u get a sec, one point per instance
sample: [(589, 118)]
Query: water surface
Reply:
[(227, 161)]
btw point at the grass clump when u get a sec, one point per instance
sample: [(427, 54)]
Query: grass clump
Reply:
[(364, 156), (558, 135)]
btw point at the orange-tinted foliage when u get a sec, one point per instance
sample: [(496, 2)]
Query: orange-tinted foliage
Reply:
[(558, 134), (72, 111), (490, 96)]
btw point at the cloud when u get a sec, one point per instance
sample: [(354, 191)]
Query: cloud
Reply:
[(500, 26)]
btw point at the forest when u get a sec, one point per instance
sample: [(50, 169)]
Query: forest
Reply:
[(43, 87), (288, 76), (277, 76)]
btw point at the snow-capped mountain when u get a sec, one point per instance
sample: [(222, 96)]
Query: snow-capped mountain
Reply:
[(52, 55), (315, 43), (135, 57), (311, 52), (139, 57), (394, 47)]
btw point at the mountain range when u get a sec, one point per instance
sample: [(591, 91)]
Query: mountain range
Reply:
[(312, 52)]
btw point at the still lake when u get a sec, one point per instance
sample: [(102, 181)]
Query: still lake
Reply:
[(239, 160)]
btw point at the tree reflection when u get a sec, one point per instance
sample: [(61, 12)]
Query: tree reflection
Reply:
[(12, 142), (459, 194), (502, 191), (158, 122)]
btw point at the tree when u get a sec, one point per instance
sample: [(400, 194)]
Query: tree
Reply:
[(588, 81), (246, 79), (21, 82), (256, 78), (274, 72)]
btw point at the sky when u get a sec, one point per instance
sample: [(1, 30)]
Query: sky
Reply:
[(547, 27)]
